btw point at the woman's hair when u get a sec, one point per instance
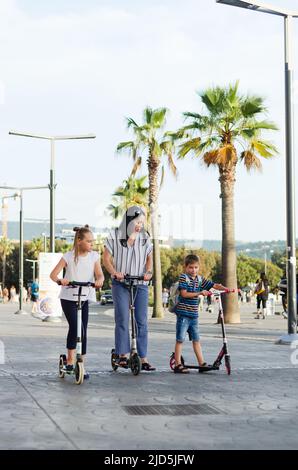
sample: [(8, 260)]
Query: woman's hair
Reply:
[(80, 235), (126, 227)]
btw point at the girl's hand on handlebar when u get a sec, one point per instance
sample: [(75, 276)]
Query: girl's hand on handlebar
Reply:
[(63, 282), (118, 276), (99, 283)]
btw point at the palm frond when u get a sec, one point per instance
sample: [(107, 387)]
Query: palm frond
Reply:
[(131, 123), (137, 165), (162, 177), (264, 148), (158, 119), (125, 146), (210, 158), (226, 155), (191, 145), (250, 160)]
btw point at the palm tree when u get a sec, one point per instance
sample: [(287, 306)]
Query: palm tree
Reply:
[(132, 192), (150, 138), (36, 247), (229, 133), (6, 248)]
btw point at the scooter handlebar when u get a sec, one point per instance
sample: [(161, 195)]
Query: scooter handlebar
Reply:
[(78, 284), (219, 292), (127, 277)]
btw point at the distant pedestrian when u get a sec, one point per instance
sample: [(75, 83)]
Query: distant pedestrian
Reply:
[(262, 291), (34, 296), (5, 295), (13, 294), (165, 298)]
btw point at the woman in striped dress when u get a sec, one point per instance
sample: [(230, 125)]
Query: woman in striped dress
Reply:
[(128, 250)]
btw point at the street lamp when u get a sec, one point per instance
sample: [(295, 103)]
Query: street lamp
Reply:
[(33, 261), (290, 167), (52, 184), (21, 251)]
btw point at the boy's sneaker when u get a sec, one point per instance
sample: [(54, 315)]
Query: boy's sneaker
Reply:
[(86, 376)]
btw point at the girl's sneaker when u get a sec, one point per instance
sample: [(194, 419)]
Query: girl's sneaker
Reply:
[(69, 369)]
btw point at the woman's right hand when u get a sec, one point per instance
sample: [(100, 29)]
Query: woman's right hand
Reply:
[(118, 276), (63, 282)]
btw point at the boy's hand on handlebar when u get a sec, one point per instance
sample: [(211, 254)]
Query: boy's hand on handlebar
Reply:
[(205, 293), (118, 276)]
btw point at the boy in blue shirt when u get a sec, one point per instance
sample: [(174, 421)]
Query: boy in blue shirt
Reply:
[(190, 287)]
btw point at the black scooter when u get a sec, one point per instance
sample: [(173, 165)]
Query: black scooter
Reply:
[(78, 371), (134, 360), (223, 353)]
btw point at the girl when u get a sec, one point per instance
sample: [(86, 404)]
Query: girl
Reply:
[(128, 250), (81, 264)]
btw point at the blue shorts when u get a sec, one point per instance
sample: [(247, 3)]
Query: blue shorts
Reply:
[(187, 325)]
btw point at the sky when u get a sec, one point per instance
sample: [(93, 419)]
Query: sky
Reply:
[(82, 66)]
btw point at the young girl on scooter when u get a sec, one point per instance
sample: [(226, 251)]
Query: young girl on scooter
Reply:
[(81, 264)]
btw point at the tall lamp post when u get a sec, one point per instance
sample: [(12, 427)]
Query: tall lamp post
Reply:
[(19, 194), (290, 167), (33, 261), (52, 185)]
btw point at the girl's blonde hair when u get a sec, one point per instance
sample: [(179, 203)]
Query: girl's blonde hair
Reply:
[(80, 235)]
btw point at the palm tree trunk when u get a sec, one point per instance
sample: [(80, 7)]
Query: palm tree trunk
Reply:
[(3, 270), (153, 164), (229, 260)]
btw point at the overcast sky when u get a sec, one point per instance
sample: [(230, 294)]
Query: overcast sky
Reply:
[(81, 66)]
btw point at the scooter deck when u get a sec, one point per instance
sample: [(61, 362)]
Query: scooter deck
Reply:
[(202, 368)]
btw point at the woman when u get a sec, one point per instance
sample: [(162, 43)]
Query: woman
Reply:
[(262, 289), (128, 250)]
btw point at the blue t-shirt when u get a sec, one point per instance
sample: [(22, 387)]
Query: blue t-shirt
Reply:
[(34, 289), (186, 306)]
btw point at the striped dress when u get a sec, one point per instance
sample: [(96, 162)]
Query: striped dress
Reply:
[(129, 259), (190, 307)]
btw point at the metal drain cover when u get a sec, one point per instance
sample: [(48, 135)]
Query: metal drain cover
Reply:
[(171, 410)]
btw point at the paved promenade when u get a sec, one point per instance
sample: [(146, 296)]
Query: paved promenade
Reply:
[(256, 407)]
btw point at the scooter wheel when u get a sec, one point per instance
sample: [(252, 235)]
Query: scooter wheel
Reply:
[(114, 357), (228, 364), (79, 373), (62, 362), (172, 361), (135, 364)]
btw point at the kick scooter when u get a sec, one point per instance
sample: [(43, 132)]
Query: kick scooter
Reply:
[(79, 366), (134, 360), (223, 353)]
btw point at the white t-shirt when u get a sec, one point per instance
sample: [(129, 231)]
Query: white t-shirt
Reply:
[(82, 271)]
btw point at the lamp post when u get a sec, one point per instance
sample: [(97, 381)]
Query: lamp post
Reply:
[(21, 251), (52, 184), (33, 261), (290, 168)]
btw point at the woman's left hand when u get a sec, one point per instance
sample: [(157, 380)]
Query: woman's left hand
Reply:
[(147, 276)]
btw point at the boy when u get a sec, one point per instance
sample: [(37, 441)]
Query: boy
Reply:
[(190, 286)]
